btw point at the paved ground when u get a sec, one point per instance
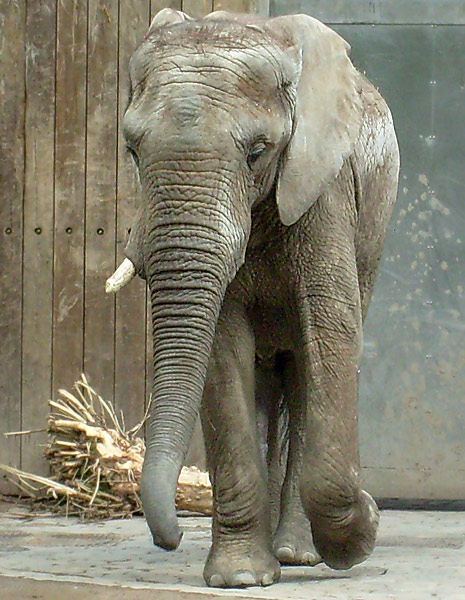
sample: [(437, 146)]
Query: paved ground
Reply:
[(420, 555)]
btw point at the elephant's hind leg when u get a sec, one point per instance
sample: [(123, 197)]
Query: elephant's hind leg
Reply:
[(272, 422), (293, 544), (241, 553)]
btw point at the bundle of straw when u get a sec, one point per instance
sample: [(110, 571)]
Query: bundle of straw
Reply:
[(96, 463)]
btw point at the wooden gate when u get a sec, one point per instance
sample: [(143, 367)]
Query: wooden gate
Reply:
[(67, 197)]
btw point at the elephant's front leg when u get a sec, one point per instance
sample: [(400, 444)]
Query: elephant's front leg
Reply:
[(241, 552), (344, 518)]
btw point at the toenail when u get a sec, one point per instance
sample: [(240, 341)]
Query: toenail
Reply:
[(307, 557), (285, 553), (267, 579), (244, 578), (310, 558), (216, 581)]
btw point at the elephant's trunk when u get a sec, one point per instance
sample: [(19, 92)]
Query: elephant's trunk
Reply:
[(187, 274)]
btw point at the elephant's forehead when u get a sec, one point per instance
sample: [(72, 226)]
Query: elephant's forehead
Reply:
[(210, 63)]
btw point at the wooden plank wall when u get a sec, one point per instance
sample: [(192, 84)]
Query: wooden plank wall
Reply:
[(38, 207), (12, 90), (67, 198)]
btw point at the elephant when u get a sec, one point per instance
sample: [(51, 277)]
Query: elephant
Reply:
[(268, 169)]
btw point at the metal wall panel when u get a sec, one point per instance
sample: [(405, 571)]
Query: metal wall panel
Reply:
[(447, 12), (412, 409), (412, 392)]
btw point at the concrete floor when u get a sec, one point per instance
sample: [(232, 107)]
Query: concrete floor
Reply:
[(420, 555)]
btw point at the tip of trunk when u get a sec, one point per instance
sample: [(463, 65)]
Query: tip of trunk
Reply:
[(169, 540), (158, 493)]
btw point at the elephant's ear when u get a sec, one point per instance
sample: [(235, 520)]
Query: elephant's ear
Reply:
[(166, 17), (328, 113)]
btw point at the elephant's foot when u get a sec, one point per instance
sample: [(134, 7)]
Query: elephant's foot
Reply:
[(346, 541), (293, 544), (240, 565)]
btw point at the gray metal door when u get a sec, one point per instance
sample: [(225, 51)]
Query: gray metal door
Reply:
[(412, 397)]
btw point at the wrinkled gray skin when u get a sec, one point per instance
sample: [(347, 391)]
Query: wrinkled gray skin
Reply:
[(268, 168)]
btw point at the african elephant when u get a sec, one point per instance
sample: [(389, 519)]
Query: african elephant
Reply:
[(268, 168)]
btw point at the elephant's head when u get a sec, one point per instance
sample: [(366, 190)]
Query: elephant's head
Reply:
[(223, 112)]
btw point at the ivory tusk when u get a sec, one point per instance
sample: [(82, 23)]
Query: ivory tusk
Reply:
[(121, 277)]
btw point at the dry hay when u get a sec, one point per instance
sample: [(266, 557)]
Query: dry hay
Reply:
[(96, 463)]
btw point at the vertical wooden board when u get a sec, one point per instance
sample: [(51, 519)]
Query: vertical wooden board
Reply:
[(196, 454), (197, 8), (157, 5), (38, 228), (102, 125), (70, 158), (130, 316), (238, 6), (11, 203)]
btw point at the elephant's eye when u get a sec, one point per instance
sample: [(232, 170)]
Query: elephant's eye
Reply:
[(255, 152), (134, 156)]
